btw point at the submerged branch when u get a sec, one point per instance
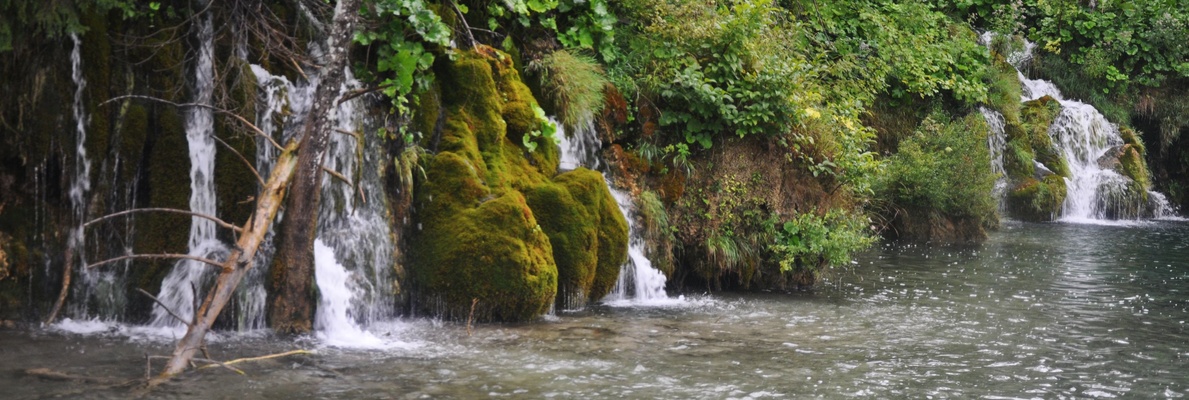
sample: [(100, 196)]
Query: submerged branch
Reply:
[(167, 210)]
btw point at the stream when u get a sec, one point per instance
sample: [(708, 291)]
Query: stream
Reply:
[(1052, 310)]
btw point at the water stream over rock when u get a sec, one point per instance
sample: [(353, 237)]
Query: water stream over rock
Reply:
[(639, 283)]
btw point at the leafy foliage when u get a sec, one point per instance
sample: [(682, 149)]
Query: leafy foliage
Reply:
[(810, 241), (573, 83), (944, 166), (404, 30)]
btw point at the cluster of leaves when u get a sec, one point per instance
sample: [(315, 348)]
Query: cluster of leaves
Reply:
[(402, 32), (545, 129), (573, 84), (810, 241), (719, 67), (944, 166), (1120, 41)]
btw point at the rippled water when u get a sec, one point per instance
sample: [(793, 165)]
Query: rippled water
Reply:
[(1039, 311)]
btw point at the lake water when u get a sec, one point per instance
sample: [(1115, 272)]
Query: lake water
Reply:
[(1038, 311)]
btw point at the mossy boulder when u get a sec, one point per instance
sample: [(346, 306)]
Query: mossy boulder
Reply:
[(588, 233), (1037, 200), (494, 233), (480, 252)]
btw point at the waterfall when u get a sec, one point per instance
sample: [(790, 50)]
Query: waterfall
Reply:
[(1084, 137), (177, 291), (997, 142), (639, 283), (80, 186), (337, 288), (353, 214), (352, 219)]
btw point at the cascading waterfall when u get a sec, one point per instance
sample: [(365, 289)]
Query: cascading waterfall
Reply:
[(177, 291), (80, 186), (1084, 137), (352, 218), (997, 142), (639, 283), (335, 323), (352, 224)]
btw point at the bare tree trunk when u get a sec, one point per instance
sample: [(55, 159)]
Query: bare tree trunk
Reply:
[(291, 298)]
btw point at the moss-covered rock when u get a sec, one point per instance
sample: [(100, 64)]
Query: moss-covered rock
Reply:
[(479, 253), (588, 233), (1037, 200), (493, 232)]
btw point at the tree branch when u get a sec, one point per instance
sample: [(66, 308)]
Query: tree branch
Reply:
[(219, 110), (166, 210), (242, 158), (163, 306), (157, 256)]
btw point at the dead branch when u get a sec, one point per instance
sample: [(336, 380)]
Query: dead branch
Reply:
[(166, 210), (163, 306), (241, 157), (219, 110), (360, 92), (237, 265), (156, 256), (338, 175), (348, 133), (66, 274)]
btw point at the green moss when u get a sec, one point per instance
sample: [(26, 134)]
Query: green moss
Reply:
[(1004, 90), (478, 246), (1037, 115), (1034, 200), (588, 233), (1131, 162), (478, 239)]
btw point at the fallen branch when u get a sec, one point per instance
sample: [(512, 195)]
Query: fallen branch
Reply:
[(262, 358), (360, 92), (157, 256), (213, 363), (339, 175), (66, 274), (216, 220)]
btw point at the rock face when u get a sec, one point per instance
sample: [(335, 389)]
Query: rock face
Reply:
[(496, 235)]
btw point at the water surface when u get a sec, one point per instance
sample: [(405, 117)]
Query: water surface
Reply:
[(1039, 311)]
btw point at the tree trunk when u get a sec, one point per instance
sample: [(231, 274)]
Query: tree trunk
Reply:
[(306, 168), (291, 296)]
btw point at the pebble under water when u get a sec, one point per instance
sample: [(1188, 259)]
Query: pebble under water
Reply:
[(1038, 311)]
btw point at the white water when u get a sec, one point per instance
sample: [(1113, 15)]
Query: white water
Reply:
[(337, 287), (178, 288), (1082, 135), (639, 283), (997, 142)]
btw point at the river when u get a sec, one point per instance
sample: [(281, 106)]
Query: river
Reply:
[(1038, 311)]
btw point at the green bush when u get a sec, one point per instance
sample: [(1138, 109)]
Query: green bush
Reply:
[(944, 166)]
